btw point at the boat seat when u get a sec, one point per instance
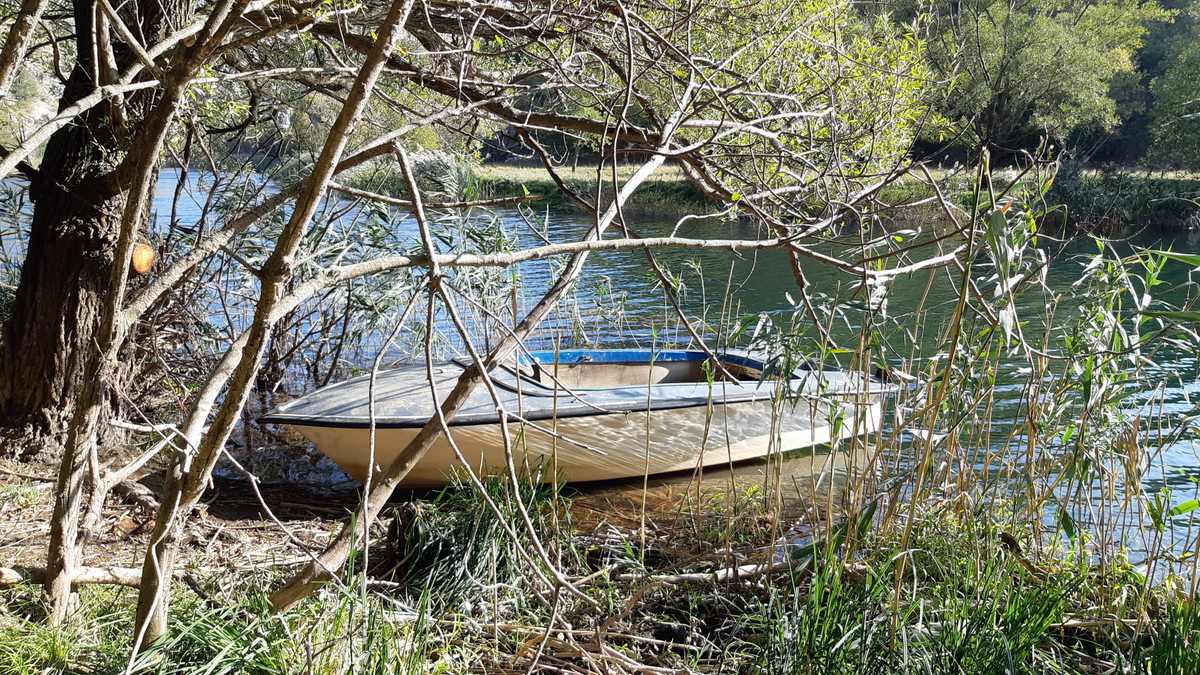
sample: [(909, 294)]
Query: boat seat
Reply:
[(590, 375)]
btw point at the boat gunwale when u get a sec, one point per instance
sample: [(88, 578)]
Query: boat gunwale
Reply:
[(543, 390), (629, 356), (471, 420), (581, 407)]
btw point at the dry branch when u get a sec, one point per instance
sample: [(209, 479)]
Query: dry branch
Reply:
[(18, 41), (187, 482), (309, 578), (81, 576)]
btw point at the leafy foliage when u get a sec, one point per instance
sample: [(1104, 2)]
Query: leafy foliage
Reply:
[(1037, 66), (866, 77), (1177, 112)]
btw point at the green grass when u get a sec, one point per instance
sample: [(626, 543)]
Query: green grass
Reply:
[(957, 600), (230, 632), (1083, 199), (1123, 199), (440, 551), (19, 496), (1177, 649), (667, 193), (94, 637)]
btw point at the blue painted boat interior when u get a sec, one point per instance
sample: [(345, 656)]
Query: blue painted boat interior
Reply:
[(569, 356)]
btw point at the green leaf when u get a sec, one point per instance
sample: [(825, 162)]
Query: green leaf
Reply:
[(1068, 434), (1174, 315), (1156, 506), (1192, 259), (1067, 523), (1186, 507)]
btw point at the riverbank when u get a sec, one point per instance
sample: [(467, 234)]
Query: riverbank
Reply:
[(1025, 510), (1087, 200), (667, 193)]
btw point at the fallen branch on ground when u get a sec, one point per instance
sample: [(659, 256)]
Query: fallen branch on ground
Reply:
[(118, 576)]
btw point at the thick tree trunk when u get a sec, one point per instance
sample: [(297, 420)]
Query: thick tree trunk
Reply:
[(56, 311), (49, 370), (68, 267), (58, 357), (102, 369), (49, 364)]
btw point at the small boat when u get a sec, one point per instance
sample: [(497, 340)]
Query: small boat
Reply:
[(590, 415)]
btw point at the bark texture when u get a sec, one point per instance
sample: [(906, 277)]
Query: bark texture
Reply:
[(61, 345), (19, 36), (67, 270), (78, 196)]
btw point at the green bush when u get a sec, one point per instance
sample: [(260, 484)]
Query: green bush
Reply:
[(1112, 199)]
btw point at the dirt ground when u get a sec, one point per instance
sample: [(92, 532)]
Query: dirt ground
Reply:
[(231, 531), (304, 501)]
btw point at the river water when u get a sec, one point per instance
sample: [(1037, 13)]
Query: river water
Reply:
[(748, 286), (621, 302)]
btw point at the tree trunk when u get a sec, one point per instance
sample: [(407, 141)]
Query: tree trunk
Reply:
[(68, 267), (49, 365), (58, 358), (57, 307)]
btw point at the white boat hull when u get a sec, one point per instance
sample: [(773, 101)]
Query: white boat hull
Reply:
[(607, 446)]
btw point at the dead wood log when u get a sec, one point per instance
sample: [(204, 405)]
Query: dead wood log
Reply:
[(135, 493), (85, 575), (119, 576)]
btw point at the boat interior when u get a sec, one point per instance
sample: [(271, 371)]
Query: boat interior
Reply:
[(581, 372)]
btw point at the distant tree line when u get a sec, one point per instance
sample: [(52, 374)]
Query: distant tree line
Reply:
[(1104, 82), (1111, 82)]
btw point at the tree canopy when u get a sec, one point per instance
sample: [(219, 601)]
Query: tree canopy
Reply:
[(1176, 118), (1036, 67)]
